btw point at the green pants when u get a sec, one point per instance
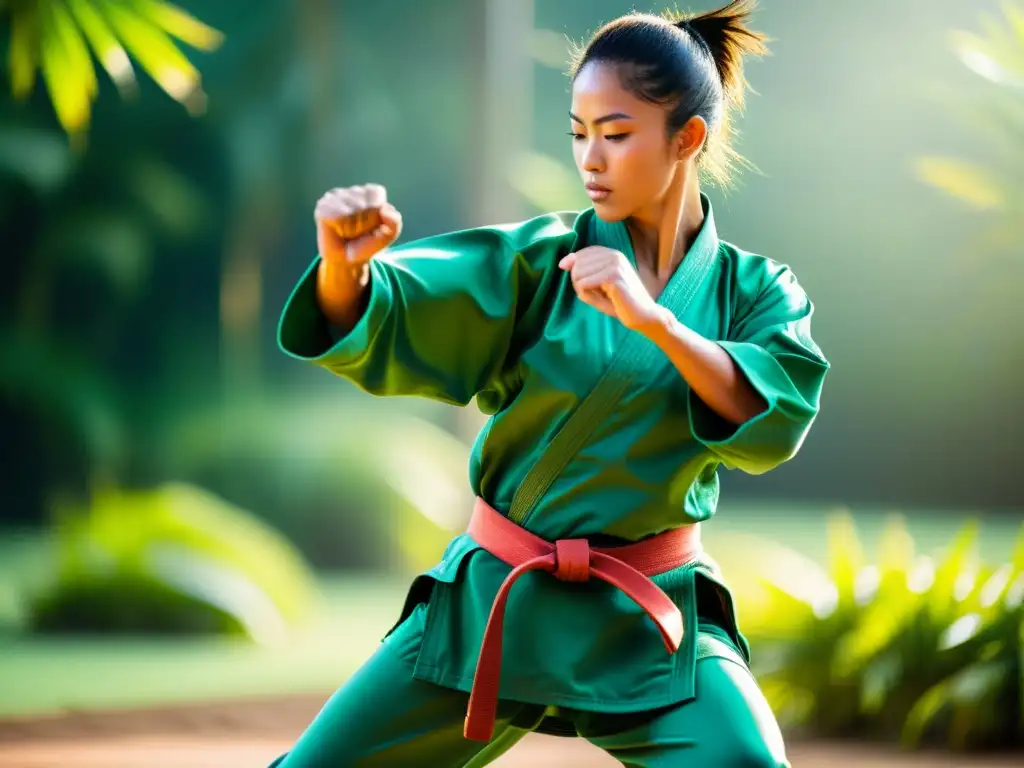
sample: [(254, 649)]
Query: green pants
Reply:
[(383, 717)]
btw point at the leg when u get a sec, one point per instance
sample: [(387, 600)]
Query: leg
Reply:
[(383, 717), (728, 725)]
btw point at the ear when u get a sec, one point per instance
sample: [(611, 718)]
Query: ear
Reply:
[(691, 137)]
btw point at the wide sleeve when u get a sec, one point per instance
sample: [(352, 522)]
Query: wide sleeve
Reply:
[(771, 345), (441, 315)]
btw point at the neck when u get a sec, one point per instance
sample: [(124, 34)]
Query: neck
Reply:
[(662, 236)]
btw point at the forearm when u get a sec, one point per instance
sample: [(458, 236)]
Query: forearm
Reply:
[(707, 368), (341, 293)]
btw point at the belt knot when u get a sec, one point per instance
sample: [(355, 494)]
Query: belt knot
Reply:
[(572, 560)]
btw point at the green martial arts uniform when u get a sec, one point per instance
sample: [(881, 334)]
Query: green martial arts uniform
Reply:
[(593, 434)]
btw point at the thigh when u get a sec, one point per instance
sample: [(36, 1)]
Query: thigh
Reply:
[(382, 716), (728, 725)]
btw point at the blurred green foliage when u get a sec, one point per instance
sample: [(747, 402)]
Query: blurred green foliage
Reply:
[(58, 39), (905, 648), (994, 113), (354, 485), (172, 559), (86, 233)]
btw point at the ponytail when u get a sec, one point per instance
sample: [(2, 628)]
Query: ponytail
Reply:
[(725, 36)]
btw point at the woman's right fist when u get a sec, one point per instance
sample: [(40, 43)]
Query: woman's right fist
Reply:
[(355, 223)]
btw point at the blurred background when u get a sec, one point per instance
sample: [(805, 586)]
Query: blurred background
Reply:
[(186, 514)]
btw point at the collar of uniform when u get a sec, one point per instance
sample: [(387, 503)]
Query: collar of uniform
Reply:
[(615, 235)]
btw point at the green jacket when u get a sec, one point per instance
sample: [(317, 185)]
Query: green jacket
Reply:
[(487, 313)]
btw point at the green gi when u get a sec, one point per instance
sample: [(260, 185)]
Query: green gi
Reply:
[(592, 433)]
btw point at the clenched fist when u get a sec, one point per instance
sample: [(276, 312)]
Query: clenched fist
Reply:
[(355, 223), (604, 279)]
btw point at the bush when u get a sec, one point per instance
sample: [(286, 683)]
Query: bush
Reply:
[(903, 649), (172, 559)]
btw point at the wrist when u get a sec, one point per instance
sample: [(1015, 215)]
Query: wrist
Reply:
[(342, 275), (341, 291), (660, 326)]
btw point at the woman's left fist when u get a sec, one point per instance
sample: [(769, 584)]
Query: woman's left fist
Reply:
[(604, 279)]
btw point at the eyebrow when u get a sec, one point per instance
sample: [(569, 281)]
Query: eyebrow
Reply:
[(605, 118)]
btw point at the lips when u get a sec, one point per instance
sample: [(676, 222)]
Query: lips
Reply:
[(597, 193)]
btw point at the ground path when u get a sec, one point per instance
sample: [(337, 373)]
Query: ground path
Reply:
[(248, 734)]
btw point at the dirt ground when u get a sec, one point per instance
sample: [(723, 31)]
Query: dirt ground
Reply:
[(245, 734)]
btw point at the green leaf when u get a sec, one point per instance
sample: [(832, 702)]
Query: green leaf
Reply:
[(877, 628), (924, 712), (179, 24), (956, 574), (896, 553), (931, 651), (157, 54), (55, 36), (878, 679), (23, 53), (108, 50), (70, 81), (965, 181), (1017, 558), (845, 556), (995, 54)]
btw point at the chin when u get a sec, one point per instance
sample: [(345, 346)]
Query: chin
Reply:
[(609, 214)]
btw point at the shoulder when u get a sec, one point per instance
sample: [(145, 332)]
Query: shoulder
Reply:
[(767, 297), (755, 278)]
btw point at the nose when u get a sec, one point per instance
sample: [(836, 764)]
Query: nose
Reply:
[(592, 160)]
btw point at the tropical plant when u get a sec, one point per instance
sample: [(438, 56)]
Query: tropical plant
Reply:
[(171, 559), (904, 648), (994, 113), (54, 38)]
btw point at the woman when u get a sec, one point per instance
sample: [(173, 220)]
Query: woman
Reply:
[(624, 353)]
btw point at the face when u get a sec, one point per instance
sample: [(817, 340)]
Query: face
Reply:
[(621, 146)]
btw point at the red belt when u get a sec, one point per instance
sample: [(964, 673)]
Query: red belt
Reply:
[(627, 567)]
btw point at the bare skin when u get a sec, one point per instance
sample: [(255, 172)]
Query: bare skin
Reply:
[(353, 224)]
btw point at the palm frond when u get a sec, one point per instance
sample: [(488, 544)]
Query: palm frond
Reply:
[(59, 40)]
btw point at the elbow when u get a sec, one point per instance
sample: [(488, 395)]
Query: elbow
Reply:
[(767, 457)]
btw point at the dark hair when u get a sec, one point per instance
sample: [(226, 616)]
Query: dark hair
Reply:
[(691, 63)]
